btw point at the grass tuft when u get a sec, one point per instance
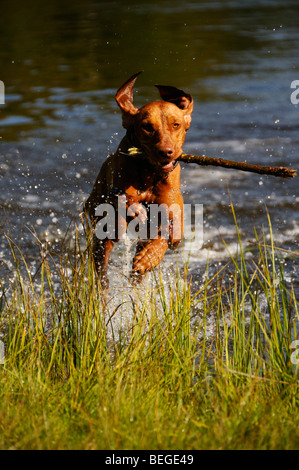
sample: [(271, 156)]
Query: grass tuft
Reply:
[(152, 371)]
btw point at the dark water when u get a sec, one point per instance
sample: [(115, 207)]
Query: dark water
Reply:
[(61, 63)]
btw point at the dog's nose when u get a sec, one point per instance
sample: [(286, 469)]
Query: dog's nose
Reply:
[(169, 152), (166, 152)]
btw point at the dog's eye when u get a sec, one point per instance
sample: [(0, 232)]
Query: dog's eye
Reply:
[(148, 127), (176, 125)]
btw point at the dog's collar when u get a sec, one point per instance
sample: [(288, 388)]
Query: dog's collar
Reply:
[(130, 139), (175, 164)]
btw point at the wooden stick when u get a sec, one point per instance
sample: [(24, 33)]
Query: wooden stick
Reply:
[(281, 171)]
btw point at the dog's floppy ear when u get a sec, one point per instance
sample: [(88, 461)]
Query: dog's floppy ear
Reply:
[(124, 99), (178, 97)]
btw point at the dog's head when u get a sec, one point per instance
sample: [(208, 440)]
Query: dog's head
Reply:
[(158, 128)]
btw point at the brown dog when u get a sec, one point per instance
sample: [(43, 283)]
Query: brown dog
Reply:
[(158, 131)]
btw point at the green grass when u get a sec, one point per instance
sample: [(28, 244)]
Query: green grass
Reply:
[(73, 379)]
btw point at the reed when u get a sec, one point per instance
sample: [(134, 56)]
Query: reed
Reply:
[(74, 377)]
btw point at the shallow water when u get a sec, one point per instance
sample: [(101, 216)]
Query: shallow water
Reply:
[(61, 65)]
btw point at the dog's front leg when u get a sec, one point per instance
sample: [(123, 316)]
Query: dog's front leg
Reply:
[(101, 250), (149, 254)]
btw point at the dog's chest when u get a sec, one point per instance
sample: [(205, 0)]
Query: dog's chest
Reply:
[(153, 189)]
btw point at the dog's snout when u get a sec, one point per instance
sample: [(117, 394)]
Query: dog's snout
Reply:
[(169, 152), (166, 152)]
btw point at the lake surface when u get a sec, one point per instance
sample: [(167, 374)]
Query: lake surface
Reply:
[(61, 64)]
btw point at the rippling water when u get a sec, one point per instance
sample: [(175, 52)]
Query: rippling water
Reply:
[(61, 65)]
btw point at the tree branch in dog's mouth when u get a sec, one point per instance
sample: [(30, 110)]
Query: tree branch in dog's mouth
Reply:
[(282, 172)]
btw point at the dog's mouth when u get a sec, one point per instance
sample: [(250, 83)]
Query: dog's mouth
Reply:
[(168, 166)]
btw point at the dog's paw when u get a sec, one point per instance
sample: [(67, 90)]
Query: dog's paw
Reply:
[(150, 256), (136, 278), (137, 210), (133, 208)]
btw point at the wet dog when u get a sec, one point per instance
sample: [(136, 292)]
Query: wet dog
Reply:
[(144, 171)]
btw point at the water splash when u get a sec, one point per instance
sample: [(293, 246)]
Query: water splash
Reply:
[(111, 142)]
